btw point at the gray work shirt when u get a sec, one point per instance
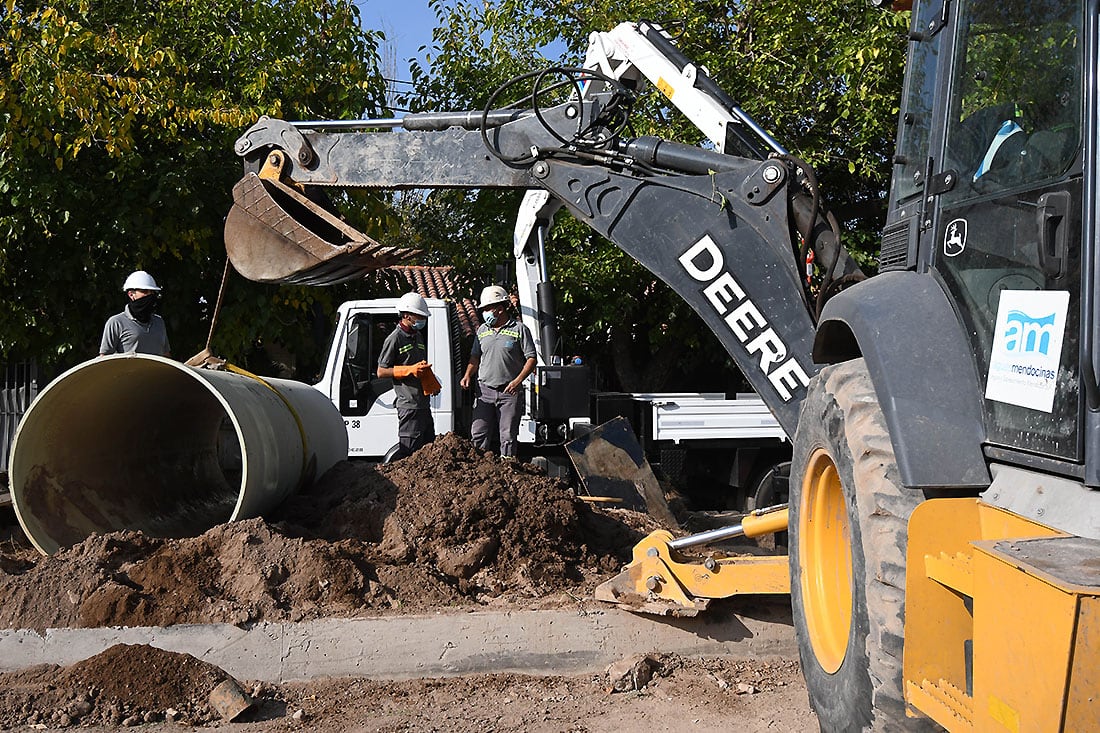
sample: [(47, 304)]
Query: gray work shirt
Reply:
[(503, 352), (123, 334), (402, 348)]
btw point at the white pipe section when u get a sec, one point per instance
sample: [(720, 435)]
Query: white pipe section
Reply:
[(145, 443)]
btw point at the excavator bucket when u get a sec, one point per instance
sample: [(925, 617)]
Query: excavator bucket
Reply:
[(611, 463), (274, 234)]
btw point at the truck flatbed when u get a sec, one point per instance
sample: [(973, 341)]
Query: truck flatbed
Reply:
[(703, 416)]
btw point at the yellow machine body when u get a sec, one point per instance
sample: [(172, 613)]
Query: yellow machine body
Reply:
[(1002, 628)]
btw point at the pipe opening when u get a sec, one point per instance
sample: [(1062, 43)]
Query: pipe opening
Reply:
[(145, 443)]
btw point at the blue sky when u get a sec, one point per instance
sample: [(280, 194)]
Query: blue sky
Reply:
[(407, 24)]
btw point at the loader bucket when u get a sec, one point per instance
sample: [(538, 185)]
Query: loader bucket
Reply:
[(274, 234), (611, 463)]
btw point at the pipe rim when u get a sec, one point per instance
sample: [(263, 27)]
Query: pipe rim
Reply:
[(16, 488)]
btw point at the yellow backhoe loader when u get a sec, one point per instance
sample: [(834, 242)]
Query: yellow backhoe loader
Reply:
[(944, 511)]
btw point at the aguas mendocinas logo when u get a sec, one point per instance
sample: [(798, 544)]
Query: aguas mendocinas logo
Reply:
[(1026, 357), (1027, 334)]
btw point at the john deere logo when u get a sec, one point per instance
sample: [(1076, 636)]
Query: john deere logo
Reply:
[(954, 239)]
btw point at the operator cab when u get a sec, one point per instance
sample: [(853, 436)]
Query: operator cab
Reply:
[(988, 198)]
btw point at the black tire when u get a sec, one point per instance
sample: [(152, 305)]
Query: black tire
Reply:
[(763, 491), (857, 686)]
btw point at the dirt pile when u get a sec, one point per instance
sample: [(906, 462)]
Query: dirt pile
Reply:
[(125, 685), (449, 526), (487, 523)]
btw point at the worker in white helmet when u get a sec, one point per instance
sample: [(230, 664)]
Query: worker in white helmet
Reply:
[(138, 328), (404, 359), (503, 355)]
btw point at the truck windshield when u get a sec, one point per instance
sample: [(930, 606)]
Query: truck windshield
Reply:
[(360, 386)]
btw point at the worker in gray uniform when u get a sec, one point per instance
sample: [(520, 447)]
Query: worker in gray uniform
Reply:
[(404, 359), (137, 329), (503, 355)]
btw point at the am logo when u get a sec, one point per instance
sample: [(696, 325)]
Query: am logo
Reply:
[(1026, 334)]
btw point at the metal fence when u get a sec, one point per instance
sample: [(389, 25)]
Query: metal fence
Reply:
[(18, 389)]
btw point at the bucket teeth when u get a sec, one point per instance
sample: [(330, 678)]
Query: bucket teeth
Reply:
[(274, 234)]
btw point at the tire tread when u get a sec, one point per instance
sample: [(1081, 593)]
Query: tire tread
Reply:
[(842, 414)]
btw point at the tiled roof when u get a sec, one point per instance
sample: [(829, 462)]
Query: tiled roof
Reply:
[(433, 282)]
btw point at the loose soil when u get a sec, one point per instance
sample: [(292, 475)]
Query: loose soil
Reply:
[(447, 527), (124, 685), (140, 685)]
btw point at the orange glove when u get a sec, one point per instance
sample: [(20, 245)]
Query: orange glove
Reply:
[(401, 371), (429, 384)]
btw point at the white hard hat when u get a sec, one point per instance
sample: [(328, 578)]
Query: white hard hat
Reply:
[(412, 303), (140, 280), (492, 295)]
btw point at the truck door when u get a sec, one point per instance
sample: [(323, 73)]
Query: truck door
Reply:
[(1008, 235), (361, 391), (367, 402)]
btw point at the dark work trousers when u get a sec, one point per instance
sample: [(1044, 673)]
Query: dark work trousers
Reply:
[(496, 417), (415, 429)]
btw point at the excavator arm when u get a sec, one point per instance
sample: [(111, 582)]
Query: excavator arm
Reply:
[(729, 233)]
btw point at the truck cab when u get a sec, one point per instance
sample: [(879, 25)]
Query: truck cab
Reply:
[(367, 403)]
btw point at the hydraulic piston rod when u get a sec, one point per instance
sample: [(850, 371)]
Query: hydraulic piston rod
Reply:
[(760, 522)]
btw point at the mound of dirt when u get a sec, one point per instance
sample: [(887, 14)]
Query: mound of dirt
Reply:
[(448, 526), (124, 685), (470, 515)]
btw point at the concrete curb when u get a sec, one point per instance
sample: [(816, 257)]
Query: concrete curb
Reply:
[(441, 645)]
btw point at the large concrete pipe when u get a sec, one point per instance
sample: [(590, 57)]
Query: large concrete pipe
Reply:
[(146, 443)]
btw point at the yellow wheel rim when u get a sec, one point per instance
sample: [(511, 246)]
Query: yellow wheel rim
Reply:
[(825, 561)]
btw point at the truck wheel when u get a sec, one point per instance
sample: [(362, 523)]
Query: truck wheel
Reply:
[(848, 519), (766, 488)]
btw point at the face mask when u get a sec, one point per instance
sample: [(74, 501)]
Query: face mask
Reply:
[(420, 325), (490, 318), (142, 309)]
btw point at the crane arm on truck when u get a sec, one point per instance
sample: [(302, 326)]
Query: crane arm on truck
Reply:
[(633, 54)]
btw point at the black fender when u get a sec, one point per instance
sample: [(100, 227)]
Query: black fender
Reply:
[(918, 357)]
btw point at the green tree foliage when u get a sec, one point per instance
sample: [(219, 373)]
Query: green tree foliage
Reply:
[(824, 78), (116, 153)]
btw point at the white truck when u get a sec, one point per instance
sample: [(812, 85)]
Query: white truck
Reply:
[(367, 403), (701, 441)]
